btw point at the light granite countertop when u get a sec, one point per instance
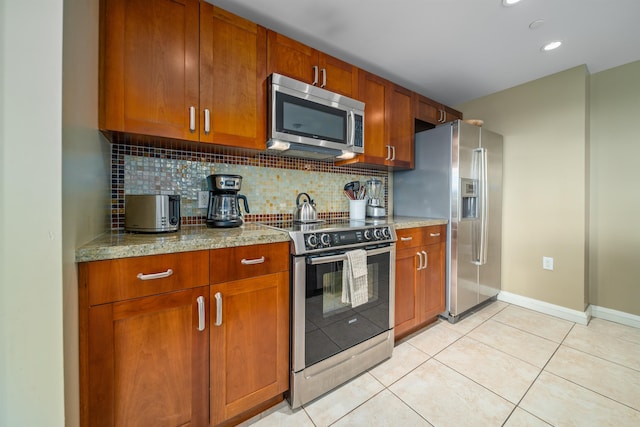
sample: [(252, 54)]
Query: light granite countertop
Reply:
[(113, 245), (401, 222), (123, 245)]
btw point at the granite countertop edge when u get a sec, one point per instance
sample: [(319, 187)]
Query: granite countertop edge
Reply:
[(115, 245)]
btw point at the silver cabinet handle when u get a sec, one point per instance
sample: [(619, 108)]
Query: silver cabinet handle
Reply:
[(406, 239), (420, 260), (388, 152), (207, 121), (315, 75), (434, 234), (153, 276), (444, 116), (252, 261), (201, 313), (218, 297), (393, 150), (192, 119), (324, 77), (426, 260)]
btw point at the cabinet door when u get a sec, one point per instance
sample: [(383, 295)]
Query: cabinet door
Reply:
[(149, 362), (290, 58), (149, 67), (426, 110), (249, 343), (372, 91), (431, 292), (232, 79), (450, 114), (407, 277), (341, 77), (401, 127)]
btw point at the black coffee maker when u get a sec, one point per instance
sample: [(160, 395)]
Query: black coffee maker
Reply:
[(224, 207)]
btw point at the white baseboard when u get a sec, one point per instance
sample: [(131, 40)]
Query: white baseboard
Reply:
[(615, 316), (581, 317)]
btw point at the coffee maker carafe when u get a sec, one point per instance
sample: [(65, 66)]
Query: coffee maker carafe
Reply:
[(375, 209), (224, 205)]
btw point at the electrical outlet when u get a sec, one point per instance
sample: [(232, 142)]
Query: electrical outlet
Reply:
[(203, 199), (547, 263)]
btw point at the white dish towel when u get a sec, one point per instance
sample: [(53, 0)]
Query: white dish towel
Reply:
[(355, 285)]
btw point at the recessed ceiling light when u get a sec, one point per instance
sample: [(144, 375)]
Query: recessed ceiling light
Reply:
[(508, 3), (551, 46)]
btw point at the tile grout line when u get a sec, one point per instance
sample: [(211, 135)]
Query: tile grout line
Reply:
[(580, 385)]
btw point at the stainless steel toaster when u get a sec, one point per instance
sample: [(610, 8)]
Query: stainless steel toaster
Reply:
[(151, 213)]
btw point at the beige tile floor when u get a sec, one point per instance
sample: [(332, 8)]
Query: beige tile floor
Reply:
[(501, 366)]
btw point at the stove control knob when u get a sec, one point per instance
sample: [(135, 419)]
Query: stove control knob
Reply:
[(312, 241), (386, 233), (367, 234), (377, 233), (325, 239)]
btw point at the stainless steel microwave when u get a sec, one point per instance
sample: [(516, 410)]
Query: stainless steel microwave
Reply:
[(311, 122)]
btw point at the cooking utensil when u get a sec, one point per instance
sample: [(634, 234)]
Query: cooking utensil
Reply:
[(353, 185)]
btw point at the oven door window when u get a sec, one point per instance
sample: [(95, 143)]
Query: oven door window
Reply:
[(332, 326)]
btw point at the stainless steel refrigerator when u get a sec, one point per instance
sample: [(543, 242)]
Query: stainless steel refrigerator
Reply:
[(458, 176)]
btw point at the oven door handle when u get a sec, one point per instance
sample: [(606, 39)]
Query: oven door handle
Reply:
[(334, 258)]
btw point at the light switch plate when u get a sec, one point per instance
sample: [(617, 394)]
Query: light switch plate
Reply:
[(203, 199), (547, 263)]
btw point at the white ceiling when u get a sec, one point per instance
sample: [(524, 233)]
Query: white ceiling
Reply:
[(457, 50)]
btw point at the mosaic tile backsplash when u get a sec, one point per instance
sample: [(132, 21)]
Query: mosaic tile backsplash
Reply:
[(271, 183)]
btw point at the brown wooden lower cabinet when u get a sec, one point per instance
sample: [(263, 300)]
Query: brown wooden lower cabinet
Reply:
[(249, 343), (197, 352), (148, 362), (420, 278)]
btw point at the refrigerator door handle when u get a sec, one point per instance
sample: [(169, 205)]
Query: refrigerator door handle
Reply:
[(483, 190), (484, 208)]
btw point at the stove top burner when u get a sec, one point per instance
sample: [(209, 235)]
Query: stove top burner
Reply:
[(341, 233)]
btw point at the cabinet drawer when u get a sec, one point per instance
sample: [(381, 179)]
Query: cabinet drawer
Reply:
[(435, 234), (248, 261), (126, 278), (409, 238)]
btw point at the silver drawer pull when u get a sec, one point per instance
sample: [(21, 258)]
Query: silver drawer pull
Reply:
[(252, 261), (434, 234), (153, 276), (406, 239), (201, 314)]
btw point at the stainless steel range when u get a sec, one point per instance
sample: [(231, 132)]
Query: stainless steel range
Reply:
[(333, 341)]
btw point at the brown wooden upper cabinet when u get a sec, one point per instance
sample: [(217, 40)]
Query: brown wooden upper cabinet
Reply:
[(293, 59), (388, 124), (182, 69), (432, 112)]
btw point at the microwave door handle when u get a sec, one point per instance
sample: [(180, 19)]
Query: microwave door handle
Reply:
[(351, 125)]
